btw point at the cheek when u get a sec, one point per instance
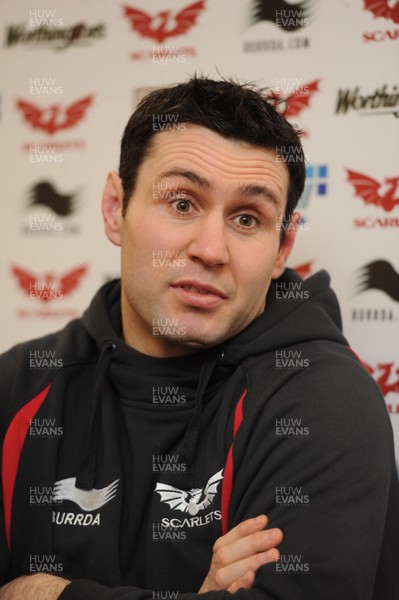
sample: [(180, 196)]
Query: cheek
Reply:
[(136, 255), (147, 233), (254, 266), (256, 283), (139, 238)]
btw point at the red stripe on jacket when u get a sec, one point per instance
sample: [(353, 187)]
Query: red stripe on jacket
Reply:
[(227, 487), (12, 448)]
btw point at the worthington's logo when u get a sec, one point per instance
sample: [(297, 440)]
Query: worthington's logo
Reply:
[(49, 32), (383, 101), (191, 501)]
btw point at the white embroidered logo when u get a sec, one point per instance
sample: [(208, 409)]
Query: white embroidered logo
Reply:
[(190, 501), (87, 500)]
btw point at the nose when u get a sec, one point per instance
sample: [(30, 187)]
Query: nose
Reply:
[(209, 242)]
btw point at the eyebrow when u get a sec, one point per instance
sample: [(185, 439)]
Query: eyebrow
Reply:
[(190, 175), (247, 189)]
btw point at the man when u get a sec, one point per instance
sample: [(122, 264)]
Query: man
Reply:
[(209, 387)]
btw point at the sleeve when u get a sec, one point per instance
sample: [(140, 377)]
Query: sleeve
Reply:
[(84, 589), (4, 555), (319, 462), (7, 369)]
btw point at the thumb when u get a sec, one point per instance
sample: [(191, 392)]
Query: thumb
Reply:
[(245, 581)]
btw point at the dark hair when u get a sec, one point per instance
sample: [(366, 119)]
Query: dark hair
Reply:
[(235, 111)]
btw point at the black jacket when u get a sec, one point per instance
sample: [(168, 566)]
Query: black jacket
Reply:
[(119, 470)]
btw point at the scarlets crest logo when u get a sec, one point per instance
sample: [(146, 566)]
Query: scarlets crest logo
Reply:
[(50, 286), (164, 24), (383, 8), (55, 117), (292, 104), (191, 501), (384, 374), (371, 191)]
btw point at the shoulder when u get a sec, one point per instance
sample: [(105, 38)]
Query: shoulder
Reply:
[(326, 417), (325, 383), (28, 367)]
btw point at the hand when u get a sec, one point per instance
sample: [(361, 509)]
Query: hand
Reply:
[(238, 553), (39, 586)]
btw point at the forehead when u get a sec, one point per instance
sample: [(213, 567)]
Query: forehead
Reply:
[(221, 161)]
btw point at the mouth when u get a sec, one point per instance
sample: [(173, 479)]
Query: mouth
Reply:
[(195, 293), (199, 288)]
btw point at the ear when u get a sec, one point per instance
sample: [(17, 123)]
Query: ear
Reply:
[(111, 207), (286, 246)]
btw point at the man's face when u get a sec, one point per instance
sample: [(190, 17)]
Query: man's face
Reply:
[(199, 240)]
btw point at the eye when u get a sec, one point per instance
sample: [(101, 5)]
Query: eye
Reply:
[(246, 221), (182, 205)]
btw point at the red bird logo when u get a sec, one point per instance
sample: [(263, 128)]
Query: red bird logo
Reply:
[(381, 8), (52, 119), (163, 25), (368, 189), (294, 104), (46, 288), (385, 373), (305, 269)]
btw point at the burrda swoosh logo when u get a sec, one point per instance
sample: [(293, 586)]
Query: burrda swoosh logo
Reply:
[(87, 500)]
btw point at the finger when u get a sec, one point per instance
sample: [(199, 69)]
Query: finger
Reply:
[(259, 541), (227, 576), (241, 530), (246, 582)]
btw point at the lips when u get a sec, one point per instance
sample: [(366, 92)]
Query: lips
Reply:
[(197, 294), (199, 288)]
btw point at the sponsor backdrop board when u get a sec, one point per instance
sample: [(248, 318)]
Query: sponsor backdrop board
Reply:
[(71, 76)]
